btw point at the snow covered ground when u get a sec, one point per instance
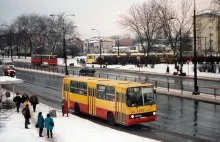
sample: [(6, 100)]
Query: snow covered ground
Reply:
[(67, 129)]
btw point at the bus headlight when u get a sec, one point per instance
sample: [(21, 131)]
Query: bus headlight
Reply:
[(154, 113), (132, 116)]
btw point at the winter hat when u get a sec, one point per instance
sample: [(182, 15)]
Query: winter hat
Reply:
[(48, 115)]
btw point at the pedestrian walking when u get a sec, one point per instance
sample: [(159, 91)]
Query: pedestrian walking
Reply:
[(49, 124), (27, 116), (24, 97), (26, 102), (17, 100), (168, 70), (34, 101), (40, 122)]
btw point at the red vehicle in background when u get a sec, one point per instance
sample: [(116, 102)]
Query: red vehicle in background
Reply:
[(38, 59), (9, 70)]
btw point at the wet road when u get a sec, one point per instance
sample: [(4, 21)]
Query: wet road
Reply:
[(175, 82), (178, 119)]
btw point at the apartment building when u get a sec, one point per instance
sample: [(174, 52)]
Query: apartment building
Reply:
[(208, 33)]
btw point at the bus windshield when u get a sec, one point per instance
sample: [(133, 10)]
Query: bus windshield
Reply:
[(140, 96)]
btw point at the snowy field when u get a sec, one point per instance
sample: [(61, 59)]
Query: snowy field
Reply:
[(66, 129), (159, 68)]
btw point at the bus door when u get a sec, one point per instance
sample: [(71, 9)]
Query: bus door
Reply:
[(91, 101), (120, 107)]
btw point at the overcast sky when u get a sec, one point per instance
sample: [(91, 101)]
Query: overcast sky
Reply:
[(99, 14)]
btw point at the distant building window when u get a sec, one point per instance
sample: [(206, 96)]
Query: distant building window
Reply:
[(211, 34)]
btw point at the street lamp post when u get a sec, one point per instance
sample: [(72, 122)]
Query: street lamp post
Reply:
[(100, 49), (9, 39), (196, 88), (64, 40)]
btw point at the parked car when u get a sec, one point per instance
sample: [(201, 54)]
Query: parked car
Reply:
[(44, 64), (87, 70)]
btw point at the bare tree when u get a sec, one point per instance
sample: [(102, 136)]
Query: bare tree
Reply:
[(175, 20), (142, 20)]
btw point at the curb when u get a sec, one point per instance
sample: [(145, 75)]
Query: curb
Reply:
[(190, 96)]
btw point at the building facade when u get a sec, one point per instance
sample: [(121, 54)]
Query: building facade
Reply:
[(92, 45), (208, 33)]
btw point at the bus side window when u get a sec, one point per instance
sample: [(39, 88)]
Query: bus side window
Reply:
[(74, 87), (82, 88), (110, 93), (101, 92)]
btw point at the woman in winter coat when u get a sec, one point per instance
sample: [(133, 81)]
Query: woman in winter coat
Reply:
[(40, 122), (49, 124)]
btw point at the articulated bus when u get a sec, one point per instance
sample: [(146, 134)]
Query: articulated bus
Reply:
[(91, 58), (123, 102), (38, 59), (166, 57)]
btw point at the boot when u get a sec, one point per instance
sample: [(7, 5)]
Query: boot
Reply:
[(51, 134), (48, 134)]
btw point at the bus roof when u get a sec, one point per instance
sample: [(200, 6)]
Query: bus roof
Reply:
[(108, 82)]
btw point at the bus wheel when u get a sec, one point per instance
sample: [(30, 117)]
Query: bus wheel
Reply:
[(111, 119), (77, 109)]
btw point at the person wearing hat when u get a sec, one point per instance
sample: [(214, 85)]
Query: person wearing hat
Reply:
[(40, 122), (24, 97), (27, 116), (49, 124), (17, 100)]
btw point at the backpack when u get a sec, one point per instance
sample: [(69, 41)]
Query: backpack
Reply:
[(24, 111), (51, 123)]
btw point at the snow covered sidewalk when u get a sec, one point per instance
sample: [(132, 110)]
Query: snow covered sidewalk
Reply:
[(66, 129)]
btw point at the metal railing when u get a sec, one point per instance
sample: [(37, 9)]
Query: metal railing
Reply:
[(182, 87)]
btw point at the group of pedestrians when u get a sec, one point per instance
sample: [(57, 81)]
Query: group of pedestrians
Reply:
[(48, 122)]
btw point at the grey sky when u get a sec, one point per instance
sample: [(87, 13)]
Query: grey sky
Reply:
[(99, 14)]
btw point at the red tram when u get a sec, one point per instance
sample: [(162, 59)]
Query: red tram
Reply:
[(38, 59)]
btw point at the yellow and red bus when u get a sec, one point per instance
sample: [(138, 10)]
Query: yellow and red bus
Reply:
[(124, 102), (38, 59)]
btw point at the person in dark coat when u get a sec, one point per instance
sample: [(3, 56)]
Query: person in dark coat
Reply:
[(168, 69), (17, 100), (40, 122), (24, 97), (34, 101), (27, 116), (48, 126)]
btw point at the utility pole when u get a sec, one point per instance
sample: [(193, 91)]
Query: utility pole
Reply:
[(100, 49), (205, 48), (64, 40), (196, 88), (118, 46), (210, 44)]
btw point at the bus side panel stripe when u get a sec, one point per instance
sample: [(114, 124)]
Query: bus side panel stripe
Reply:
[(84, 108), (139, 120), (102, 113)]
